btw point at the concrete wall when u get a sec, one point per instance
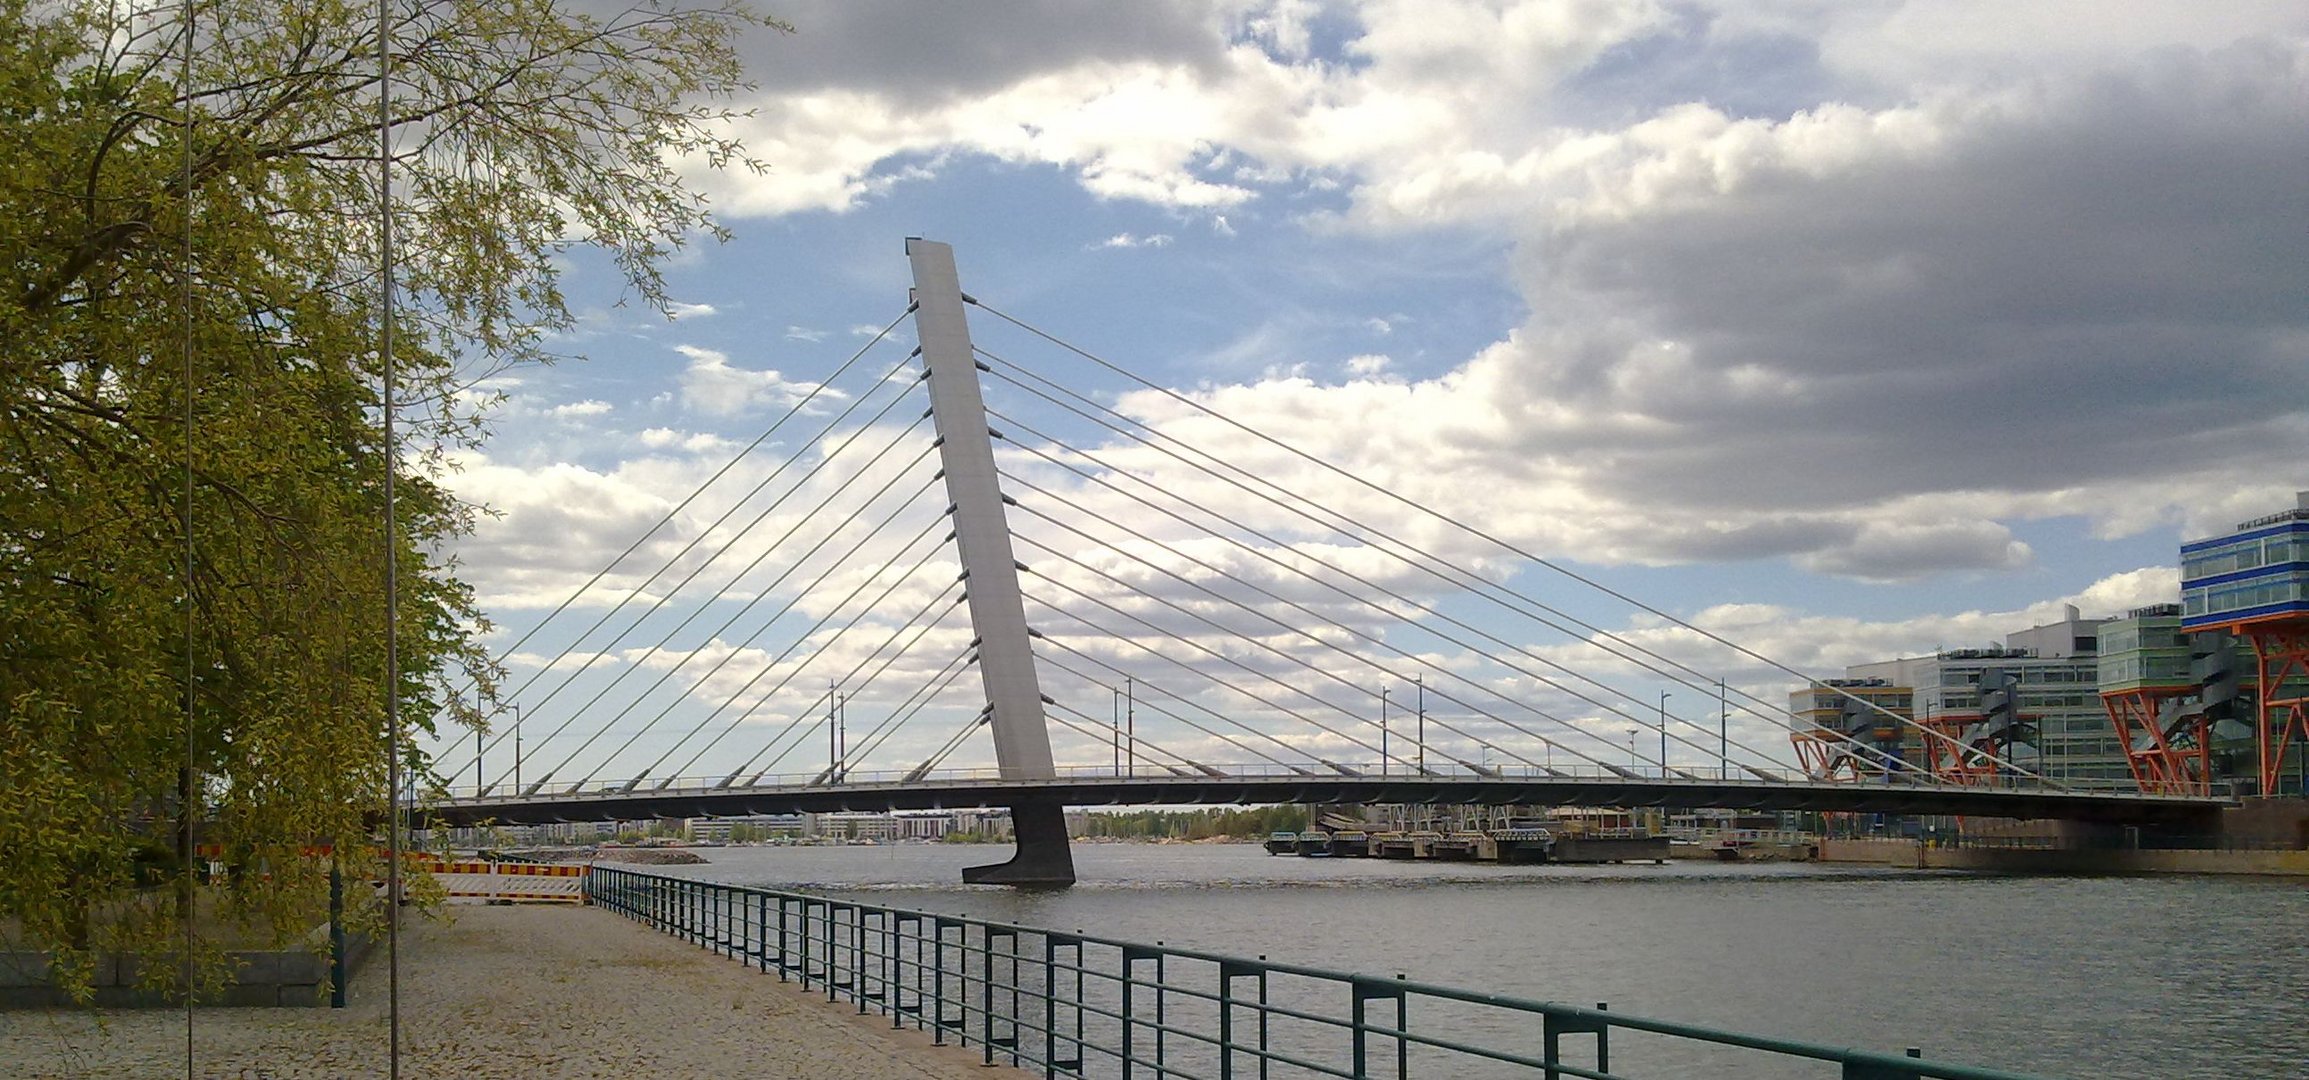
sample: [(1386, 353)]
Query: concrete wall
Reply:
[(263, 977), (1914, 855)]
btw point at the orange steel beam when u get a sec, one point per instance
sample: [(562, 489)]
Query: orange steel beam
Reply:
[(2159, 768), (1956, 761), (1818, 757), (2280, 652)]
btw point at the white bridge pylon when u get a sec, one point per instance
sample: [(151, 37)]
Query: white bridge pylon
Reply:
[(989, 568)]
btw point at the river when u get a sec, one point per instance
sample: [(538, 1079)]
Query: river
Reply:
[(2154, 977)]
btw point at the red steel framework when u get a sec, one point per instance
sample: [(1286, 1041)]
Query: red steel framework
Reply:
[(2159, 766), (1955, 761), (1831, 755), (1828, 755), (2280, 654)]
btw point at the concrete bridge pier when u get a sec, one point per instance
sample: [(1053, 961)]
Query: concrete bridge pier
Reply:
[(1042, 858)]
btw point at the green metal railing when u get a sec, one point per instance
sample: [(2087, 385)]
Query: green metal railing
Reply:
[(1073, 1004)]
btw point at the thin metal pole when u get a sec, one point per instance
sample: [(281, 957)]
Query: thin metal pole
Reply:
[(392, 547), (190, 794), (1723, 732), (1130, 722), (1382, 729), (1421, 682), (1663, 734), (516, 749), (1118, 733)]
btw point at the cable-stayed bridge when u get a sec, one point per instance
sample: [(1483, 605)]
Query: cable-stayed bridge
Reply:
[(1023, 576)]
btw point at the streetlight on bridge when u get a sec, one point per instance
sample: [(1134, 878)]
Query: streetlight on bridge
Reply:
[(1663, 734)]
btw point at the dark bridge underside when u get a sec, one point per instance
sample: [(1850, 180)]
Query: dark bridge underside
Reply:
[(2173, 811)]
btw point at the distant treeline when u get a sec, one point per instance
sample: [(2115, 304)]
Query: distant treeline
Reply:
[(1197, 824)]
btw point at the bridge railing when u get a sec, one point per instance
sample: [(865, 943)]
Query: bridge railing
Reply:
[(1148, 774), (1073, 1004)]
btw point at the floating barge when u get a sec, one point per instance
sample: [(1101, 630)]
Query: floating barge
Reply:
[(1520, 844)]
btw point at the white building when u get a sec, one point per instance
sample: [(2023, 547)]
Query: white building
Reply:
[(2056, 673)]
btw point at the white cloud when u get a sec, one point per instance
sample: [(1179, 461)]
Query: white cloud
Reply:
[(1128, 240), (1367, 365), (576, 409), (1862, 339), (804, 333), (690, 311), (715, 387)]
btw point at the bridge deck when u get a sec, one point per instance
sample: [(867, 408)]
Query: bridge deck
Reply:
[(708, 801)]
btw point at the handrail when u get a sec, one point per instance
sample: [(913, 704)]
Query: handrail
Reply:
[(1745, 779), (1075, 1004)]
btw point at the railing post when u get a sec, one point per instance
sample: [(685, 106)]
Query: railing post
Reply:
[(1229, 971), (1603, 1039), (898, 939), (781, 943), (1875, 1070), (1131, 955), (832, 956), (802, 939), (1554, 1025), (985, 993), (762, 933), (1263, 1018), (858, 957), (937, 982)]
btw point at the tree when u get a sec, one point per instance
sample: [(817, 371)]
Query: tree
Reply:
[(192, 454)]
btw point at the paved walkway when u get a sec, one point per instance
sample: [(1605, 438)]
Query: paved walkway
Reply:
[(505, 992)]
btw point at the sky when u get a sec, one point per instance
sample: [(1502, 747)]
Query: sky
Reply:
[(1843, 329)]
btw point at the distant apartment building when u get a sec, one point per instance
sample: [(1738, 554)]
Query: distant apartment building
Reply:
[(851, 825)]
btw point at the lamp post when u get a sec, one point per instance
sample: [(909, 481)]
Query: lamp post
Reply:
[(1663, 734), (1382, 729), (516, 707), (1421, 682), (1633, 761), (1723, 732)]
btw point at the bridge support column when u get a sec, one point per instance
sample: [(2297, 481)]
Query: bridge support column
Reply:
[(989, 570), (1042, 858)]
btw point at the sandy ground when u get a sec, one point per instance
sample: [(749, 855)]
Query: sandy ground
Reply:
[(508, 992)]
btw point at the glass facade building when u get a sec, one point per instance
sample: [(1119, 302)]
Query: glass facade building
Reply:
[(2260, 571), (2055, 672)]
